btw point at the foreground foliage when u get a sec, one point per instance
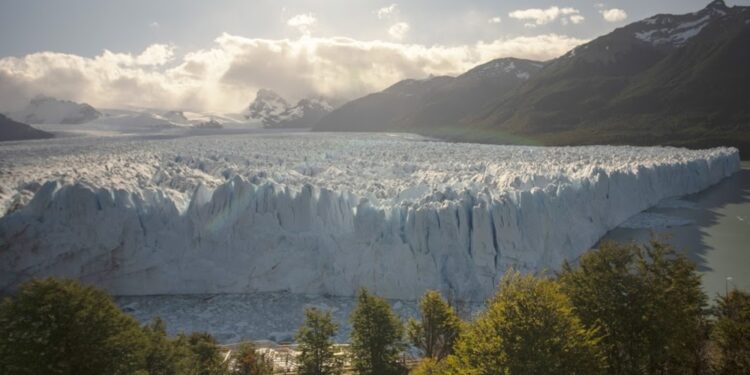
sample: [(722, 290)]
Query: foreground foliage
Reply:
[(377, 336), (528, 328), (61, 327), (315, 339), (647, 303), (731, 334), (624, 309), (438, 329)]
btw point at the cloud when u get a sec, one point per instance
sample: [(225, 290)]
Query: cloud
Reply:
[(495, 20), (545, 16), (156, 54), (225, 77), (614, 15), (398, 30), (302, 22), (387, 12), (577, 18), (154, 25)]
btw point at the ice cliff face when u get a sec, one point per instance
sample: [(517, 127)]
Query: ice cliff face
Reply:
[(322, 214)]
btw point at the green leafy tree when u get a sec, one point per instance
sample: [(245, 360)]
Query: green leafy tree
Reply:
[(647, 303), (438, 328), (206, 356), (428, 366), (528, 328), (247, 361), (731, 333), (61, 327), (315, 339), (165, 356), (377, 336)]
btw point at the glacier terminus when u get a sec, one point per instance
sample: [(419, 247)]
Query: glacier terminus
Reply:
[(321, 213)]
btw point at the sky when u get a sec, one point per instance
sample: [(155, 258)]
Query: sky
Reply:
[(214, 55)]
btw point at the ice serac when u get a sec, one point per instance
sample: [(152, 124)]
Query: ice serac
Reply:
[(264, 232)]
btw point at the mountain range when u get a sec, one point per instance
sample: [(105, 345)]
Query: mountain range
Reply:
[(46, 110), (678, 80), (273, 111)]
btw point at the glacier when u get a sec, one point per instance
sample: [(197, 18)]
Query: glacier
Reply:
[(321, 213)]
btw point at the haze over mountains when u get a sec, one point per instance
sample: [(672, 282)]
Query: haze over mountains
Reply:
[(46, 110), (669, 79), (273, 111)]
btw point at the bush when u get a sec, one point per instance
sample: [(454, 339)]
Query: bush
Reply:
[(61, 327), (528, 328), (647, 303), (315, 339), (438, 328), (377, 336)]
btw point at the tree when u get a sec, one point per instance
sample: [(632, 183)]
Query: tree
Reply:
[(315, 339), (61, 327), (438, 328), (160, 354), (247, 361), (207, 358), (731, 333), (165, 356), (528, 328), (377, 336), (647, 303), (429, 366)]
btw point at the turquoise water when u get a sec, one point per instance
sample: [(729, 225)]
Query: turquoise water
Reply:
[(717, 233)]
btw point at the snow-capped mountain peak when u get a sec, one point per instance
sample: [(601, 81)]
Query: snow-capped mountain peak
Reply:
[(504, 67), (673, 31), (47, 110), (273, 111)]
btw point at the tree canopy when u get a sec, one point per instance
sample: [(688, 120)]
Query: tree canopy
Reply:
[(377, 336), (438, 328), (62, 327), (315, 340), (647, 303), (528, 328)]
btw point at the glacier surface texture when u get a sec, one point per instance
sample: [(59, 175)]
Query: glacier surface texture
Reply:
[(320, 214)]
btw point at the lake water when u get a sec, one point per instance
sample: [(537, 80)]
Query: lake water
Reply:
[(712, 227)]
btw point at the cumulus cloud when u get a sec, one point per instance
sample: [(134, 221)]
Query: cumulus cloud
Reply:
[(302, 22), (387, 12), (156, 54), (398, 30), (614, 15), (225, 77), (539, 17), (495, 20)]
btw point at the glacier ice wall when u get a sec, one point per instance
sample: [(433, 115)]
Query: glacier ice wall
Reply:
[(323, 214)]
